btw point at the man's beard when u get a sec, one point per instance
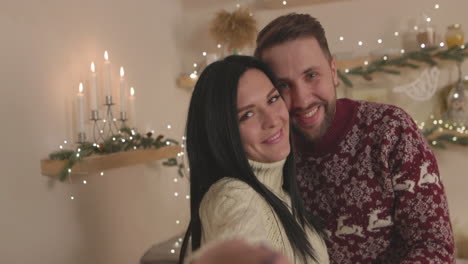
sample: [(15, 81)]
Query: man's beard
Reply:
[(329, 113)]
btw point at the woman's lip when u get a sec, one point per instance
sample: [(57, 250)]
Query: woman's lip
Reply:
[(275, 138)]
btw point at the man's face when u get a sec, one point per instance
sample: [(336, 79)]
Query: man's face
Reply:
[(307, 81)]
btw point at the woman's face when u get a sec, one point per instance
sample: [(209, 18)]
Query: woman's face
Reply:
[(263, 118)]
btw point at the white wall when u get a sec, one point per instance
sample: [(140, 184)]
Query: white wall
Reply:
[(46, 49)]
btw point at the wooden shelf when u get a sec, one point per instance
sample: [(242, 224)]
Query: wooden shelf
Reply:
[(98, 163), (437, 134)]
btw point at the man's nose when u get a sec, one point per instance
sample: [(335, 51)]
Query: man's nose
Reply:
[(299, 97)]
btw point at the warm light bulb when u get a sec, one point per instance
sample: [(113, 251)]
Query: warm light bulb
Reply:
[(423, 46), (428, 19), (385, 58), (102, 173), (169, 126), (204, 53), (402, 51), (442, 44), (346, 70), (93, 68), (132, 91), (193, 75), (455, 95), (341, 38), (436, 6), (219, 46), (122, 72), (172, 251), (80, 88), (285, 3), (366, 63), (396, 33), (72, 197), (379, 41), (85, 182), (106, 55), (194, 65), (360, 43)]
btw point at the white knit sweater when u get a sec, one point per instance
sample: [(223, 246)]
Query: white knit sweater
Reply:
[(232, 209)]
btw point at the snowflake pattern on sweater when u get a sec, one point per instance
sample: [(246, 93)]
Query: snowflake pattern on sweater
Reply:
[(375, 183)]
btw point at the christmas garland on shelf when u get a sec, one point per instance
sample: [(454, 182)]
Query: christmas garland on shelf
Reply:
[(126, 140), (386, 64), (442, 132)]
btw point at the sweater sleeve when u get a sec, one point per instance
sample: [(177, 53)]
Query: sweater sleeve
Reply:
[(230, 209), (421, 211)]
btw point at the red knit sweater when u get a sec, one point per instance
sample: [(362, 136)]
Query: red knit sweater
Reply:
[(374, 182)]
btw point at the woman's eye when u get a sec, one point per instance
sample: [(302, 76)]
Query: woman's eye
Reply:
[(246, 116), (273, 99)]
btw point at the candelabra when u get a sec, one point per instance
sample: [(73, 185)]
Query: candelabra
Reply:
[(108, 127)]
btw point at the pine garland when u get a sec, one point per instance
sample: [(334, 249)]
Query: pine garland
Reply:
[(439, 135), (412, 59), (125, 141)]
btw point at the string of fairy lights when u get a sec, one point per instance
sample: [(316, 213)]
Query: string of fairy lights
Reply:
[(341, 38)]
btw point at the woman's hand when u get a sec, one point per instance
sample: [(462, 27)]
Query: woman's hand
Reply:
[(238, 251)]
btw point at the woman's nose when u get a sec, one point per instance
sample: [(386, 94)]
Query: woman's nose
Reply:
[(270, 119)]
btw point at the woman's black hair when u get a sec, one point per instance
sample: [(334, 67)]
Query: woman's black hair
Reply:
[(215, 151)]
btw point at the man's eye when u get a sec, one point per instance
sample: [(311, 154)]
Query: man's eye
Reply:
[(311, 75), (273, 99), (282, 86), (246, 116)]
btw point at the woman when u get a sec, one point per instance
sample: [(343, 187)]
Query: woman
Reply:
[(242, 179)]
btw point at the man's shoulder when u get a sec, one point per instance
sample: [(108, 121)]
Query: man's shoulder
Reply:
[(382, 114)]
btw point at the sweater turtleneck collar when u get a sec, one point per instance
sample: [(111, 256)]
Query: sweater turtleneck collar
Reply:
[(270, 174)]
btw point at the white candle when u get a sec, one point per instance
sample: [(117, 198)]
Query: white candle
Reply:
[(107, 75), (131, 108), (123, 91), (93, 88), (80, 109)]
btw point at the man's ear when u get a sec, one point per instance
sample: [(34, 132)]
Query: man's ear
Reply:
[(334, 71)]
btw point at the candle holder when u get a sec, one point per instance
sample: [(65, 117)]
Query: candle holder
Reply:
[(109, 122), (123, 118), (96, 128), (81, 137)]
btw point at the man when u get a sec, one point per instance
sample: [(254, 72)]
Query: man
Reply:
[(363, 168)]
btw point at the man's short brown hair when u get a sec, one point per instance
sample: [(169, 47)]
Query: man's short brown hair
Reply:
[(291, 27)]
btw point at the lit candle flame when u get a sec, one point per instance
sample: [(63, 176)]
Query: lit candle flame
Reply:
[(80, 88), (106, 55), (93, 68), (122, 72), (132, 91)]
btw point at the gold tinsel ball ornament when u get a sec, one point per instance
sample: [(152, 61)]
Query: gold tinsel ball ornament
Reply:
[(234, 30)]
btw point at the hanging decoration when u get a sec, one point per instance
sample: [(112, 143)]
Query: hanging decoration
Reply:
[(423, 88), (234, 30)]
